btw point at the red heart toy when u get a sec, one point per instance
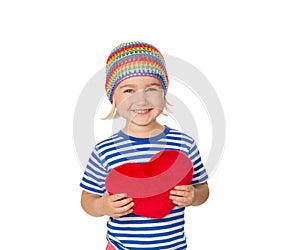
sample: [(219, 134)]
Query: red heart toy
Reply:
[(150, 183)]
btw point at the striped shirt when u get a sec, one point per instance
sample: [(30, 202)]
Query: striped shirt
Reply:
[(133, 231)]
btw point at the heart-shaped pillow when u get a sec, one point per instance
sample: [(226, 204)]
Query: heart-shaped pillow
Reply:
[(150, 183)]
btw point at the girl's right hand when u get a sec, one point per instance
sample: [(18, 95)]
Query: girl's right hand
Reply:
[(117, 205)]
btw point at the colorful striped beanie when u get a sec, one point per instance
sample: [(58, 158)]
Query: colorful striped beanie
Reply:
[(134, 59)]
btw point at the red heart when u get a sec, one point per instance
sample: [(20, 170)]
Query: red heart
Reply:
[(150, 183)]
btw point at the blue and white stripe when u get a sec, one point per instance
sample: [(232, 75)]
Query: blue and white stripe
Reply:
[(132, 231)]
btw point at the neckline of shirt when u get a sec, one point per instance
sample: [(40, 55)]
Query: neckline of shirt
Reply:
[(140, 139)]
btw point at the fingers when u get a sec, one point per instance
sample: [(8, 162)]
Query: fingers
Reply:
[(116, 197), (182, 191), (182, 195), (120, 205), (180, 201), (121, 211)]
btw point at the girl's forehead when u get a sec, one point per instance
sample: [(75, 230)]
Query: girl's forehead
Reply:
[(140, 81)]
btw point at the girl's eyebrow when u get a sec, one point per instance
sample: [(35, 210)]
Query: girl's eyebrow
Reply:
[(154, 84), (128, 86)]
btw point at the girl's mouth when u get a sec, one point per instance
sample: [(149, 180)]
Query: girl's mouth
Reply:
[(142, 111)]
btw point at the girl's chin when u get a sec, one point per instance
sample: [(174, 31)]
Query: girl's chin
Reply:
[(142, 121)]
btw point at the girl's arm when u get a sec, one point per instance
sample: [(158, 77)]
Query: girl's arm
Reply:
[(201, 193), (112, 205)]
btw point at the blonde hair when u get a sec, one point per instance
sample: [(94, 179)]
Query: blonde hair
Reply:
[(114, 113)]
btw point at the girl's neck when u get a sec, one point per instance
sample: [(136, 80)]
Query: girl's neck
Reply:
[(143, 131)]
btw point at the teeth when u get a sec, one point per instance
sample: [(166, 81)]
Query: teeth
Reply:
[(141, 111)]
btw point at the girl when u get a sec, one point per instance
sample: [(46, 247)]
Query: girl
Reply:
[(136, 85)]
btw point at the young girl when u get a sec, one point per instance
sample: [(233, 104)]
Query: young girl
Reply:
[(136, 85)]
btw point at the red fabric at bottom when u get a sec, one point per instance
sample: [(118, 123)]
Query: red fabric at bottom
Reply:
[(110, 246)]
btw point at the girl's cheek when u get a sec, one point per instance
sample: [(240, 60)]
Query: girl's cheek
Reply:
[(121, 99), (161, 103), (156, 98)]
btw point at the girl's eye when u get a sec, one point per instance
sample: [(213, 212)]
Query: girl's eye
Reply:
[(130, 91), (151, 89)]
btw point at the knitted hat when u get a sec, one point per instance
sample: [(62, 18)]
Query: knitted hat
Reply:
[(150, 183), (134, 59)]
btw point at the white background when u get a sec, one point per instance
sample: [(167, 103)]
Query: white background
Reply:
[(249, 51)]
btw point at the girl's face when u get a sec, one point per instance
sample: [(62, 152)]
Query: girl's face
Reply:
[(140, 100)]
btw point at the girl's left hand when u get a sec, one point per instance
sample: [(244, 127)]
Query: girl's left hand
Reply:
[(183, 195)]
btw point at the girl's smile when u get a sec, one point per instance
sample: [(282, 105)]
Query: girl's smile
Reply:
[(141, 111)]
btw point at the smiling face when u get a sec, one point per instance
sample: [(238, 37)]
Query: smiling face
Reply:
[(140, 100)]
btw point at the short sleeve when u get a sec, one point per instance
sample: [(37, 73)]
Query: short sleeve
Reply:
[(93, 180), (200, 174)]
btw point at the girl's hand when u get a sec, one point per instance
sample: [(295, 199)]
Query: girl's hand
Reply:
[(116, 205), (183, 195)]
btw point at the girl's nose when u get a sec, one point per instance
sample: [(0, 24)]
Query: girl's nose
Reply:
[(140, 97)]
